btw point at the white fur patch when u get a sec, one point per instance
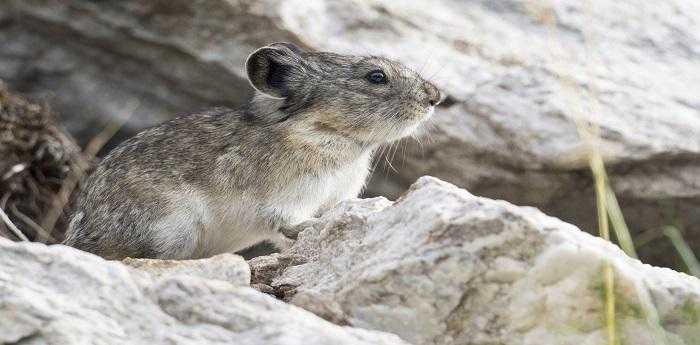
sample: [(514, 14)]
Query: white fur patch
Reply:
[(201, 225), (176, 234), (300, 200), (243, 226)]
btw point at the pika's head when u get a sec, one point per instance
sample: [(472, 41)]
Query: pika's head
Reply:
[(367, 99)]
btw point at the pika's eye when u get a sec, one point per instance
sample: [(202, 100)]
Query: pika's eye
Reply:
[(377, 77)]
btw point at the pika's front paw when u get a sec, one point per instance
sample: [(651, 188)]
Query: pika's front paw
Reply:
[(290, 232), (293, 231), (282, 242)]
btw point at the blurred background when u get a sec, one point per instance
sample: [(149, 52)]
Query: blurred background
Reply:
[(573, 107)]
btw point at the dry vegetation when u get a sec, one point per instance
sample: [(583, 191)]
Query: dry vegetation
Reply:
[(37, 160)]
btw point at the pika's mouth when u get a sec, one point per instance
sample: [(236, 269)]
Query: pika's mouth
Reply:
[(425, 114), (429, 113), (416, 121)]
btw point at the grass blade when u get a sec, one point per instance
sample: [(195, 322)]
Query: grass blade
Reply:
[(683, 250), (619, 225)]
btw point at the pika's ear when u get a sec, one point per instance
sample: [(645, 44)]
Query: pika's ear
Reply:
[(291, 46), (270, 68)]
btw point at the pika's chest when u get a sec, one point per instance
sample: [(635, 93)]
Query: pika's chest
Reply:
[(307, 194), (240, 220)]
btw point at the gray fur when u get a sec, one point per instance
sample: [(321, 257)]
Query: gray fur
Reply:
[(223, 180)]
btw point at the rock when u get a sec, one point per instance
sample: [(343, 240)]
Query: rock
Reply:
[(227, 267), (99, 61), (516, 85), (438, 266), (59, 295), (441, 266), (516, 88), (264, 268)]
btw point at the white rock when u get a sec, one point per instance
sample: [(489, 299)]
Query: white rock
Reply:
[(58, 295), (441, 266), (227, 267), (519, 86)]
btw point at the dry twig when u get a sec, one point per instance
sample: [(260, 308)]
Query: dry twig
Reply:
[(42, 235), (12, 226)]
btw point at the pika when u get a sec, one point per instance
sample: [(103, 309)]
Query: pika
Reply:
[(223, 180)]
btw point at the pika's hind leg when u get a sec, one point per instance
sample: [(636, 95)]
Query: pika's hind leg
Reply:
[(177, 236)]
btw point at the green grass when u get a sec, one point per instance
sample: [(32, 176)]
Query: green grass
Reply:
[(609, 212), (683, 249), (601, 190)]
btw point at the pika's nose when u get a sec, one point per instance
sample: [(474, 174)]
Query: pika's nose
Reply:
[(433, 93)]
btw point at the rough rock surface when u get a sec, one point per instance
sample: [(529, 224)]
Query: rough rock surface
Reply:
[(95, 61), (227, 267), (58, 295), (441, 266), (438, 266), (516, 85)]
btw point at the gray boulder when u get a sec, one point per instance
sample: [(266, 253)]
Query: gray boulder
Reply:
[(227, 267), (59, 295), (441, 266), (438, 266)]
